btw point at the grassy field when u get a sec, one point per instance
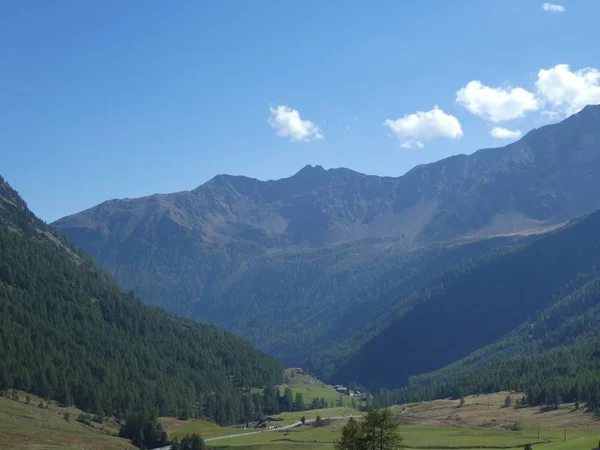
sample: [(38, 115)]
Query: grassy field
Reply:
[(292, 417), (482, 422), (27, 426), (418, 437), (299, 381), (180, 428)]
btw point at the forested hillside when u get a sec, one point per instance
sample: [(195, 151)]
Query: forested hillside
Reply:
[(569, 373), (520, 301), (313, 266), (68, 332)]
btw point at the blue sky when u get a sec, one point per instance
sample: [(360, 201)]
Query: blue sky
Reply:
[(114, 99)]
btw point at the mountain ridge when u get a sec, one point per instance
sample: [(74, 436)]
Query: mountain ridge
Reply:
[(289, 260), (344, 203)]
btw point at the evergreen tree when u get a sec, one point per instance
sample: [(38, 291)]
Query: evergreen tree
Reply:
[(351, 437), (299, 402), (144, 431), (193, 442), (380, 431), (288, 400)]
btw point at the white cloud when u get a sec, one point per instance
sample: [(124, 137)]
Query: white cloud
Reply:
[(287, 123), (421, 126), (554, 8), (504, 133), (496, 104), (567, 91), (411, 143), (550, 114)]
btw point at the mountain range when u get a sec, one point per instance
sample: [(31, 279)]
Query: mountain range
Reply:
[(323, 268)]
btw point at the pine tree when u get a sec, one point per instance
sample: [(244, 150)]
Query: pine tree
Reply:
[(299, 402), (380, 431), (288, 400), (351, 436)]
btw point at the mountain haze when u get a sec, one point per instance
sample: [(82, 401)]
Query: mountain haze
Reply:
[(314, 266)]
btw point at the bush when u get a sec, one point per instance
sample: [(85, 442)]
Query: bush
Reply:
[(193, 442), (84, 419), (144, 430)]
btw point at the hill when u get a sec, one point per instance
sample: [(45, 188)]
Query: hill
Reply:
[(69, 333), (43, 425), (298, 260)]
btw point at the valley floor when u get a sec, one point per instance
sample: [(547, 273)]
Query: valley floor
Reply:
[(483, 421)]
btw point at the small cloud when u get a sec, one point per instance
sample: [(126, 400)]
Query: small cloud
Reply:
[(504, 133), (568, 91), (413, 129), (551, 115), (496, 104), (411, 143), (553, 8), (287, 123), (353, 121)]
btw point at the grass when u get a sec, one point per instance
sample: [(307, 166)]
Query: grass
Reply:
[(299, 435), (285, 446), (469, 437), (482, 422), (292, 417), (416, 437), (310, 387), (180, 428), (27, 426), (309, 392)]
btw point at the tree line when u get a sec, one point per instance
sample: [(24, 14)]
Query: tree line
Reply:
[(569, 374)]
